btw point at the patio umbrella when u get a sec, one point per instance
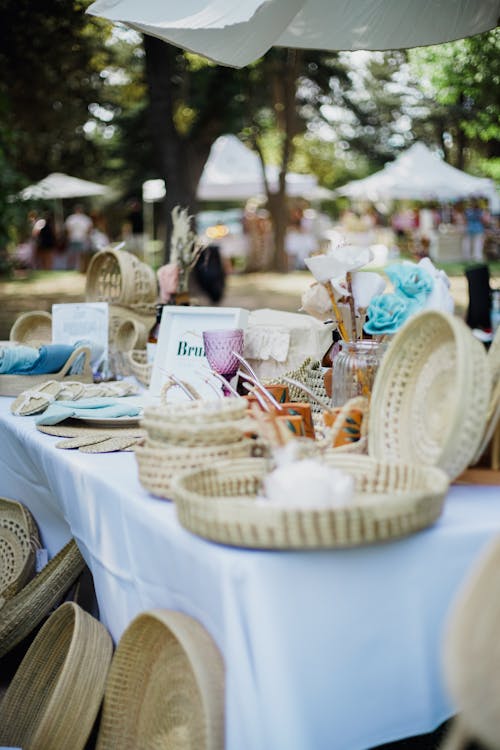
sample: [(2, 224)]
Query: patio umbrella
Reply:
[(58, 186), (236, 33)]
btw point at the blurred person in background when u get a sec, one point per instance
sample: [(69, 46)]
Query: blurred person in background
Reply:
[(133, 231), (78, 227), (44, 234), (475, 223)]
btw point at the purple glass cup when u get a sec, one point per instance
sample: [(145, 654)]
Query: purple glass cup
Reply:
[(219, 347)]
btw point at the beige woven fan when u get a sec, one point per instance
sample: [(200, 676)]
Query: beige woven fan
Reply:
[(55, 695), (431, 395), (19, 541), (165, 687)]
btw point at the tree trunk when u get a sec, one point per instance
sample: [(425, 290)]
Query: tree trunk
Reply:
[(171, 148)]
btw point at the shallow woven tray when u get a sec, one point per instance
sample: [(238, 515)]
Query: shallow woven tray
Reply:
[(118, 277), (53, 699), (159, 463), (431, 395), (25, 610), (32, 328), (391, 501), (165, 687), (162, 426), (19, 541), (13, 385)]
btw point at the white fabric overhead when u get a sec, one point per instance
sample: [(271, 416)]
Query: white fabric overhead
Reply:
[(419, 174), (236, 33), (58, 185)]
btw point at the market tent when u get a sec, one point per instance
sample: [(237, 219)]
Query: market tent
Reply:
[(233, 172), (59, 186), (238, 33), (419, 174)]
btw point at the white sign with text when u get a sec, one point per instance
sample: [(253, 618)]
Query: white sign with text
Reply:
[(85, 322)]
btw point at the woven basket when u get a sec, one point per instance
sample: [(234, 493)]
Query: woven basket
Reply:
[(391, 501), (310, 373), (472, 655), (32, 328), (136, 363), (54, 697), (431, 395), (19, 541), (165, 687), (25, 610), (13, 385), (160, 463), (120, 278), (162, 425)]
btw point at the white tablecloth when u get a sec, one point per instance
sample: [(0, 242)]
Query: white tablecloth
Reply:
[(327, 649)]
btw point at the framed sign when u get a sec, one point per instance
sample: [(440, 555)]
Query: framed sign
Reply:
[(85, 322), (180, 348)]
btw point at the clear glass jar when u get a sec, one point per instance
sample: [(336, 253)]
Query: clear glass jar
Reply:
[(354, 369)]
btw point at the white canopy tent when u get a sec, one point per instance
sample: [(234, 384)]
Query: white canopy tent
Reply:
[(59, 186), (233, 172), (419, 174), (237, 33)]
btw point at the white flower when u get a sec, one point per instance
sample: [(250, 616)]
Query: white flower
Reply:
[(338, 262)]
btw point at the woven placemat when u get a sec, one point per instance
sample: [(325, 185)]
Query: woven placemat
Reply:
[(92, 439)]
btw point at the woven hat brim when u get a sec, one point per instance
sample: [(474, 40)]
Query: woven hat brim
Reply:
[(26, 610), (165, 687), (55, 695)]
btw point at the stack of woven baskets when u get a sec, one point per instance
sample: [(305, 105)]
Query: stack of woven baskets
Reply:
[(190, 436), (130, 288)]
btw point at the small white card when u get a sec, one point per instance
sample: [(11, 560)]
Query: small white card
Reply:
[(85, 322), (180, 348)]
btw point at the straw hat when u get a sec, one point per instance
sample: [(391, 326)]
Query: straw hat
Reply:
[(472, 653), (55, 695), (165, 687), (18, 543), (25, 610)]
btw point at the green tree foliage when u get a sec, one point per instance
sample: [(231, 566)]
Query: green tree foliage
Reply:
[(462, 80)]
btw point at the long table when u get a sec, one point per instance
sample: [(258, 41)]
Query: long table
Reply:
[(323, 649)]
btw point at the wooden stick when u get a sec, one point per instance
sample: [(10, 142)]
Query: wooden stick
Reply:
[(352, 306), (338, 317)]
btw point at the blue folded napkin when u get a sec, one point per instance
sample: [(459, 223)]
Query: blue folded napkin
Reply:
[(28, 360), (99, 408)]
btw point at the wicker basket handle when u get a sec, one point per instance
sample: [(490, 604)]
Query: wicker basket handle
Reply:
[(86, 369)]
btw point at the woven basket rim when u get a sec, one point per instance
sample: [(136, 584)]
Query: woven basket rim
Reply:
[(467, 347), (25, 610), (60, 706), (236, 519), (130, 680)]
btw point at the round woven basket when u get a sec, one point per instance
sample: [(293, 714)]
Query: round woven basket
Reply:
[(165, 687), (162, 426), (128, 328), (472, 653), (32, 328), (431, 395), (19, 541), (25, 610), (136, 363), (202, 412), (55, 695), (391, 501), (118, 277), (159, 463)]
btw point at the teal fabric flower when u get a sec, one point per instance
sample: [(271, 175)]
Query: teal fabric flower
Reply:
[(387, 312), (411, 280)]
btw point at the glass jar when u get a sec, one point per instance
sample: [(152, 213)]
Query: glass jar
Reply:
[(354, 369)]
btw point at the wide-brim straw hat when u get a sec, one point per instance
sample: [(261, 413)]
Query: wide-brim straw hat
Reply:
[(19, 541), (472, 653), (55, 695), (165, 687), (21, 614)]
